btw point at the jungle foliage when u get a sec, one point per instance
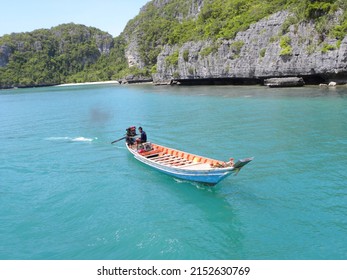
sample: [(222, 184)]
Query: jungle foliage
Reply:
[(66, 53)]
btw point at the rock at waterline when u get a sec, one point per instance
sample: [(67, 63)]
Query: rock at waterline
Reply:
[(284, 82)]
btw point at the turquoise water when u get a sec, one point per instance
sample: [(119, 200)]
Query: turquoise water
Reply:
[(67, 193)]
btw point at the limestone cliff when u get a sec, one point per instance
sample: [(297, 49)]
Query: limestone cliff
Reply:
[(268, 48), (5, 52), (256, 54)]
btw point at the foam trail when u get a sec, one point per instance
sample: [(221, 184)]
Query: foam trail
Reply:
[(195, 184), (71, 139), (82, 139), (57, 138)]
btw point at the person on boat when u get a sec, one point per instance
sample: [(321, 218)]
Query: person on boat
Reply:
[(143, 137)]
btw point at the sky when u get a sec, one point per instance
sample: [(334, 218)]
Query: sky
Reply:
[(27, 15)]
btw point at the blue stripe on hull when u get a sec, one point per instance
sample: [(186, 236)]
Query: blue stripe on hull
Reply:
[(206, 179)]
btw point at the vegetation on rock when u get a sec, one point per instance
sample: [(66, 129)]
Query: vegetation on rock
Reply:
[(170, 24)]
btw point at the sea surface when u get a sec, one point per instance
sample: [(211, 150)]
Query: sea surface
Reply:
[(66, 193)]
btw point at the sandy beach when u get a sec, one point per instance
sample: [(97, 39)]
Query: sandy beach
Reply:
[(88, 83)]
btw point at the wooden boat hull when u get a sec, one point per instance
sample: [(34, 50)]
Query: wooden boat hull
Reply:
[(186, 166)]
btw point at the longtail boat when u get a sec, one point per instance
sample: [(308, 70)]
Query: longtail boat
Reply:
[(183, 165)]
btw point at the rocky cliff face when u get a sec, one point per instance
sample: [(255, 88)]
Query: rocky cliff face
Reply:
[(266, 49), (131, 36), (258, 53), (5, 52), (194, 8)]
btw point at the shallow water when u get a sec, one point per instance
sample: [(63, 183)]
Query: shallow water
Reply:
[(67, 193)]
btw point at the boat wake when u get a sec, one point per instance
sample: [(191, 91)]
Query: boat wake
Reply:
[(195, 184), (71, 139), (83, 139), (120, 147)]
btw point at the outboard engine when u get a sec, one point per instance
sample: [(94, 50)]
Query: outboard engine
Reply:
[(131, 133)]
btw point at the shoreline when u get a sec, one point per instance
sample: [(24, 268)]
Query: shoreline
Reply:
[(115, 82)]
